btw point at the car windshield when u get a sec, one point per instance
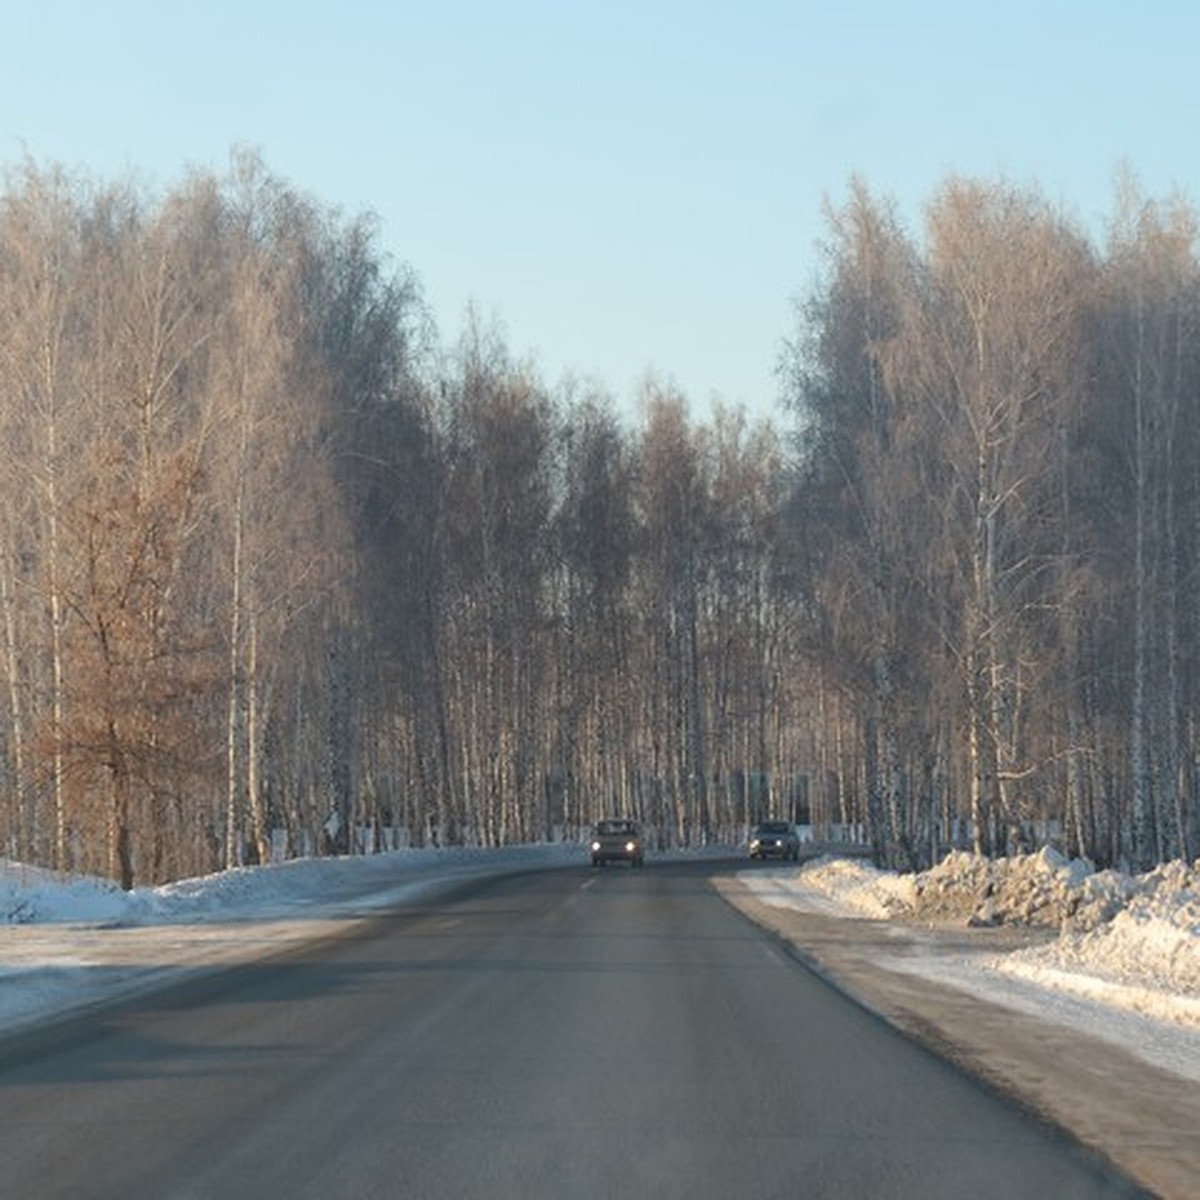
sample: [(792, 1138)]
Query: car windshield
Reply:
[(617, 827), (773, 827)]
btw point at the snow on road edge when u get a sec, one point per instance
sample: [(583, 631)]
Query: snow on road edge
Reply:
[(1125, 965)]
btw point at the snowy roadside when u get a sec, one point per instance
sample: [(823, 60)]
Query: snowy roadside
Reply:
[(69, 943), (1119, 956)]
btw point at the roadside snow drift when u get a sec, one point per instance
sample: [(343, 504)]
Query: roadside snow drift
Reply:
[(1132, 941)]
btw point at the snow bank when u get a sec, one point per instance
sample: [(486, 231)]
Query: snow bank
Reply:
[(32, 895), (69, 942), (29, 894), (1129, 941), (859, 888)]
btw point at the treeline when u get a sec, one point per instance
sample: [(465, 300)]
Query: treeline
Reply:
[(1001, 507), (279, 576)]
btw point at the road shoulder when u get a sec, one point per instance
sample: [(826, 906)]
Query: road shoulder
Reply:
[(1143, 1120)]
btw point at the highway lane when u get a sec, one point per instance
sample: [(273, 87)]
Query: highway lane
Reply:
[(565, 1033)]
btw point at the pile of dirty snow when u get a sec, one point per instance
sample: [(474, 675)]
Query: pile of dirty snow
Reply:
[(1148, 942), (1131, 940), (1042, 889)]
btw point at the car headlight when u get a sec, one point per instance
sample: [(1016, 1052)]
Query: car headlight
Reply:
[(630, 847), (595, 847)]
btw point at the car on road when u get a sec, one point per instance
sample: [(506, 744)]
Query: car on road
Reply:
[(775, 839), (617, 840)]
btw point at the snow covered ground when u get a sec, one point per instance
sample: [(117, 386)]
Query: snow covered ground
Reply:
[(1120, 958)]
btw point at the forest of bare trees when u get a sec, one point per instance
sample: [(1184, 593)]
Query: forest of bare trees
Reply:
[(282, 575), (1002, 506)]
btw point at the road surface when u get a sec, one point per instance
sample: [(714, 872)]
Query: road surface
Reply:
[(562, 1034)]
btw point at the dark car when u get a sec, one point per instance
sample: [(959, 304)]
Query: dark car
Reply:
[(617, 840), (775, 839)]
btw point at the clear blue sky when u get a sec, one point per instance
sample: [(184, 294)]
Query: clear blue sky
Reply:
[(625, 185)]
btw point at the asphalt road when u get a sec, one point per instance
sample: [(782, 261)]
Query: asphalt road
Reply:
[(560, 1034)]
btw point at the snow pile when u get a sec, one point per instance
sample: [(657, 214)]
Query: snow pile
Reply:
[(860, 888), (29, 894), (1040, 889), (1146, 950), (1133, 941)]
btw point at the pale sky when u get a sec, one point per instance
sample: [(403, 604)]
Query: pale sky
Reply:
[(627, 185)]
